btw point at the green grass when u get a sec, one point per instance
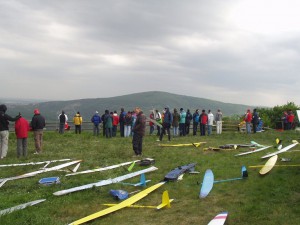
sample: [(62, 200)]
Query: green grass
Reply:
[(270, 199)]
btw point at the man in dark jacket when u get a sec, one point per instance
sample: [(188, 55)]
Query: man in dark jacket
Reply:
[(37, 124), (138, 132), (4, 131), (167, 122)]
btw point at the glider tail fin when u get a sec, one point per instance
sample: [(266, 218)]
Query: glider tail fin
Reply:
[(131, 166), (165, 201), (143, 180)]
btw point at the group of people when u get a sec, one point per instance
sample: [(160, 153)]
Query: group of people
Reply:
[(21, 129), (288, 119), (137, 123), (182, 121)]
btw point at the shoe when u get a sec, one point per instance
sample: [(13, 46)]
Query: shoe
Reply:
[(36, 153), (158, 140)]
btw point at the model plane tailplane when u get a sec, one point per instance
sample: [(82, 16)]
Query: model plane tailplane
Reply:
[(165, 201)]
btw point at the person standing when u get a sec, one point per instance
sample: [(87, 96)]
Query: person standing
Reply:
[(157, 117), (210, 122), (122, 121), (255, 120), (77, 120), (188, 119), (175, 123), (21, 130), (151, 124), (115, 123), (196, 117), (38, 123), (182, 129), (96, 120), (4, 130), (138, 131), (248, 119), (166, 125), (203, 122), (63, 119), (108, 124), (219, 117), (128, 124), (290, 119)]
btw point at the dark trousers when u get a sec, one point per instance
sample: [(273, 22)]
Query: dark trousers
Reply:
[(195, 127), (164, 129), (137, 143), (182, 129), (122, 129), (202, 129), (77, 129)]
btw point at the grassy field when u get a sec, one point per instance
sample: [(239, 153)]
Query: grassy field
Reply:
[(260, 200)]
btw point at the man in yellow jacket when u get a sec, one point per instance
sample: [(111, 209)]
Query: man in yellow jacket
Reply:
[(77, 120)]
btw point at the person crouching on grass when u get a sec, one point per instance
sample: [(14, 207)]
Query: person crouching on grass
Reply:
[(138, 132)]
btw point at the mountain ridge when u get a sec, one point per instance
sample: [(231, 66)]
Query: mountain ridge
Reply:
[(146, 100)]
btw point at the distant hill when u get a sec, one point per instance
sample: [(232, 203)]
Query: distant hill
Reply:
[(145, 100)]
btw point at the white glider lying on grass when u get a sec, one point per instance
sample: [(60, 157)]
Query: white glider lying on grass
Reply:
[(22, 206), (105, 182), (31, 174)]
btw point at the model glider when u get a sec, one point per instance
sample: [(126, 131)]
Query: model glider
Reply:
[(166, 202), (207, 184), (259, 166), (282, 150), (197, 144), (257, 150), (58, 167), (22, 206), (174, 174), (269, 165), (35, 163), (105, 182), (244, 175), (154, 121), (230, 146), (103, 169), (218, 149), (119, 206), (219, 219)]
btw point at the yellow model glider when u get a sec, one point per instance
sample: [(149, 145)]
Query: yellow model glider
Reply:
[(119, 206), (165, 203), (182, 145)]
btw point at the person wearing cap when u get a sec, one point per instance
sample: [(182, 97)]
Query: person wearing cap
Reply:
[(96, 120), (21, 130), (38, 123), (4, 130)]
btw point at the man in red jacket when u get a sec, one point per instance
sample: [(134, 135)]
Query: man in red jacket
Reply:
[(21, 129)]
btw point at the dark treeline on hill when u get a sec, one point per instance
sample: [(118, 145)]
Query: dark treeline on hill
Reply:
[(146, 100)]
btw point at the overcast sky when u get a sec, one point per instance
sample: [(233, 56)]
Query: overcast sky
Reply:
[(234, 51)]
